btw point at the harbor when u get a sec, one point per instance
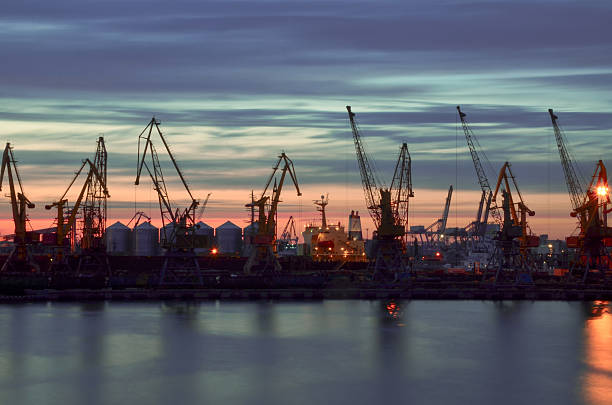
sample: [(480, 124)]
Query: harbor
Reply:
[(497, 249)]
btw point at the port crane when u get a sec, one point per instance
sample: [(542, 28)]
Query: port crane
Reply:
[(479, 227), (513, 242), (67, 221), (180, 263), (288, 239), (267, 207), (94, 206), (388, 207), (20, 259), (589, 206)]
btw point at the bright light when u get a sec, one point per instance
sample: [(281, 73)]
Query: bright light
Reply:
[(213, 251), (602, 191)]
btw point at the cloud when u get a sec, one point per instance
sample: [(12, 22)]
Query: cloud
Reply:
[(234, 83)]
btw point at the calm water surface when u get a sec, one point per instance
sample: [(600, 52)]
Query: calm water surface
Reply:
[(358, 352)]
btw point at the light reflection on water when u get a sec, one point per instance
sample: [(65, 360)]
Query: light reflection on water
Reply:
[(360, 352), (598, 354)]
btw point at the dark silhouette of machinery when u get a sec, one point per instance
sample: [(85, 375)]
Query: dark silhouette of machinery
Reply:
[(590, 207), (388, 207), (264, 242), (94, 217), (478, 228), (20, 259), (515, 239), (180, 265)]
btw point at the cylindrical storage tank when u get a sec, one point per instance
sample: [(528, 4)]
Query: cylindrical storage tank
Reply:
[(145, 240), (204, 237), (229, 238), (169, 234), (249, 234), (118, 239)]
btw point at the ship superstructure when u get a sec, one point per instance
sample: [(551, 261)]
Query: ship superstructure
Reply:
[(331, 242)]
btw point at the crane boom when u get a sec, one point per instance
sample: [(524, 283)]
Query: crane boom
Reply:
[(480, 173), (368, 179), (574, 186), (401, 186), (444, 218), (202, 207)]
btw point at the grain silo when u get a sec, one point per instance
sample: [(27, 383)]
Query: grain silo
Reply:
[(145, 238), (229, 238), (118, 239), (249, 233), (166, 234), (204, 237)]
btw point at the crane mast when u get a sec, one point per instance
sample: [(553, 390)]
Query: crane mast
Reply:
[(480, 172), (401, 186), (444, 218), (94, 207), (368, 179), (574, 185)]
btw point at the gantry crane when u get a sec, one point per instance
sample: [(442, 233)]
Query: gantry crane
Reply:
[(589, 206), (486, 199), (180, 264), (515, 238), (264, 241), (67, 221), (20, 259), (388, 207)]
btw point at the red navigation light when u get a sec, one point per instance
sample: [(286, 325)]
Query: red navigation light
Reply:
[(437, 254)]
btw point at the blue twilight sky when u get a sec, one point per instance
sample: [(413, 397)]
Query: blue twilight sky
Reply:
[(236, 82)]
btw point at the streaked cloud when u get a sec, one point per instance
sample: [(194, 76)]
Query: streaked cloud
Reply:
[(236, 82)]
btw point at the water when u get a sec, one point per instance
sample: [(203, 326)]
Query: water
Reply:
[(358, 352)]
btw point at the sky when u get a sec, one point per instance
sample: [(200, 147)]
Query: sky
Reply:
[(234, 83)]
